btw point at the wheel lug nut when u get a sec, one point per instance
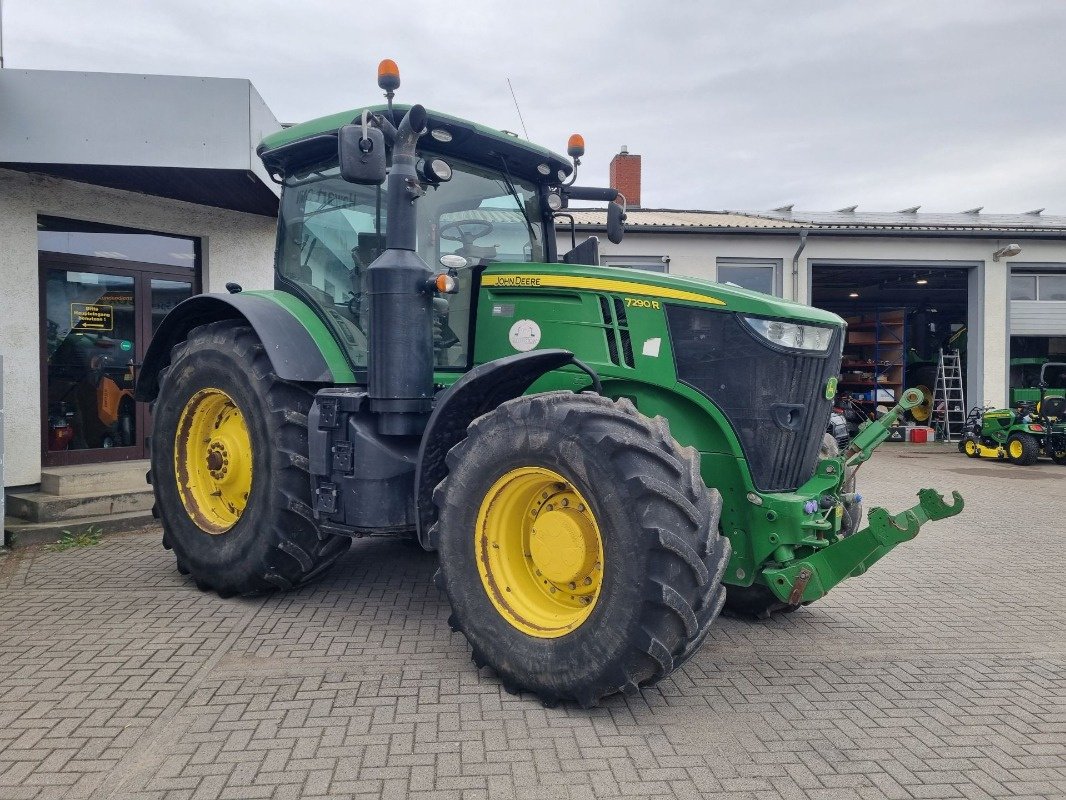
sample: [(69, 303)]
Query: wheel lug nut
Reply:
[(566, 502), (573, 585), (588, 581)]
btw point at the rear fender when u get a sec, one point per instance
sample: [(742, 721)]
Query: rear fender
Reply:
[(299, 345)]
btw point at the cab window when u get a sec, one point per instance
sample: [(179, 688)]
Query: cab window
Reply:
[(330, 231)]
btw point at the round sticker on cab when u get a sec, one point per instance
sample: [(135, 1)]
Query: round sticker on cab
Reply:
[(524, 335)]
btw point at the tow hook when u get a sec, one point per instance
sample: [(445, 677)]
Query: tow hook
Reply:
[(803, 577)]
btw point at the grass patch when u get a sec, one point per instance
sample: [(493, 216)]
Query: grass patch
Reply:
[(86, 538)]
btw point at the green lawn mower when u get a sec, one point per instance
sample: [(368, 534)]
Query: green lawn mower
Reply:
[(1024, 433)]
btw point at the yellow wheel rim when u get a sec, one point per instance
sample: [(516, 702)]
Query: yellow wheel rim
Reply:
[(213, 460), (1016, 449), (922, 412), (971, 448), (539, 552)]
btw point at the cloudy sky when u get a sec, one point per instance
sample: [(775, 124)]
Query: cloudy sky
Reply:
[(733, 105)]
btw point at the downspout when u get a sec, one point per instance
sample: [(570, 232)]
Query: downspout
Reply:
[(795, 265)]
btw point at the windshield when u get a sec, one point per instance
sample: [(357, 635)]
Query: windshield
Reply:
[(329, 231)]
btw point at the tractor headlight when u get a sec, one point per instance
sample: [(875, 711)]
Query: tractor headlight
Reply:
[(791, 335)]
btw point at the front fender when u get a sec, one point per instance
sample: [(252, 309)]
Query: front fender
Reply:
[(299, 345)]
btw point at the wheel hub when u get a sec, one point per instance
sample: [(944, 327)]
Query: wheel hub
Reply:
[(540, 553), (212, 460)]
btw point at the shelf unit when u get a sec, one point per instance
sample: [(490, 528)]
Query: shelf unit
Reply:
[(875, 356)]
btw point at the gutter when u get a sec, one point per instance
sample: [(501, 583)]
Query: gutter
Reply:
[(795, 265), (856, 232)]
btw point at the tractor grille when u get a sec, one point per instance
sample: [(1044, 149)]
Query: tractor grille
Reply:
[(775, 400)]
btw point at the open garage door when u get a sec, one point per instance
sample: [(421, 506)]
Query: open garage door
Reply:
[(899, 318)]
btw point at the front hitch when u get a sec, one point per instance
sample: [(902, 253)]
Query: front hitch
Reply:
[(813, 576)]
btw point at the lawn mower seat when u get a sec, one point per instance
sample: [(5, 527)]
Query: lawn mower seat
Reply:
[(1053, 408)]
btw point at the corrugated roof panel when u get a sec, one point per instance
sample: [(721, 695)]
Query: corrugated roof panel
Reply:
[(825, 220)]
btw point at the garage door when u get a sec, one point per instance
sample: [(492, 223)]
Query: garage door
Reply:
[(1038, 304)]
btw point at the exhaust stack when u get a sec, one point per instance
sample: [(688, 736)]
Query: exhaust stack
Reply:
[(400, 361)]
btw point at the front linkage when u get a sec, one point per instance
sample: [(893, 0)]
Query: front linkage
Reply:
[(814, 575)]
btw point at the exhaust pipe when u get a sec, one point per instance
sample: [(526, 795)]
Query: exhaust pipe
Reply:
[(400, 361)]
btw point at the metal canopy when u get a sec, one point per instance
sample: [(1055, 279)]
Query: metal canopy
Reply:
[(186, 138)]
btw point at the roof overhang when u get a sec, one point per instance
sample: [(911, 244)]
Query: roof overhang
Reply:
[(185, 138)]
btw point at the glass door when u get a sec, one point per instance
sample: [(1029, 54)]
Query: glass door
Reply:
[(97, 322), (91, 347)]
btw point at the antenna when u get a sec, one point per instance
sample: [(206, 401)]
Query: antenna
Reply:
[(519, 110)]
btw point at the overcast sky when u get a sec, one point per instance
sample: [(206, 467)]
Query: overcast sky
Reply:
[(733, 105)]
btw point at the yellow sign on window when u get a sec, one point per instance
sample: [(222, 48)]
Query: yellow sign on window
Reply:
[(91, 317)]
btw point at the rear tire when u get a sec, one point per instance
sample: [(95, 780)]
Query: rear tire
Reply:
[(1023, 449), (659, 588), (272, 541)]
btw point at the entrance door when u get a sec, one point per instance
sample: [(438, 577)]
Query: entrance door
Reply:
[(97, 319)]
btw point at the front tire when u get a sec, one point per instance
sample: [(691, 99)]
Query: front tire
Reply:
[(625, 581), (229, 467), (1023, 449)]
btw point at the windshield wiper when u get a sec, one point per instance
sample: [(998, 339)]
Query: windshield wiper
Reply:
[(521, 206)]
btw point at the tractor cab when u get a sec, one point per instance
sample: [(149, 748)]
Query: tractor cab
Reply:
[(481, 197)]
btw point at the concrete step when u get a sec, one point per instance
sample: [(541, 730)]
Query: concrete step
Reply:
[(45, 507), (20, 533), (117, 476)]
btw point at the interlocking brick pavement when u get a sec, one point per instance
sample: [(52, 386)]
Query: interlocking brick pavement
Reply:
[(941, 674)]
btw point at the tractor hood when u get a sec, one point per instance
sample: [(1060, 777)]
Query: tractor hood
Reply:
[(666, 288)]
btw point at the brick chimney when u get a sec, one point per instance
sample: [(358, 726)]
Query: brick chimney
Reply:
[(625, 176)]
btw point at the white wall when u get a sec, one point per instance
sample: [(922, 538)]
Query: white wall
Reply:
[(236, 247), (695, 254)]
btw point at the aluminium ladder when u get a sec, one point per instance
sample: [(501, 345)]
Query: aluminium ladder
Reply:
[(948, 395)]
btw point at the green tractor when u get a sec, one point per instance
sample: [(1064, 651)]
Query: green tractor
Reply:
[(1026, 432), (591, 452)]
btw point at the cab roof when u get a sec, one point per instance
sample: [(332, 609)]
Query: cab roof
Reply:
[(316, 139)]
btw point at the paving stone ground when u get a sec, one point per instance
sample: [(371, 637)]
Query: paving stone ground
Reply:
[(940, 674)]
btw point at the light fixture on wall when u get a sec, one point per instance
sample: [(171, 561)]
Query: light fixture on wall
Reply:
[(853, 294), (1011, 249), (922, 281)]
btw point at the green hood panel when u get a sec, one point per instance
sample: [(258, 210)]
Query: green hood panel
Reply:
[(668, 288)]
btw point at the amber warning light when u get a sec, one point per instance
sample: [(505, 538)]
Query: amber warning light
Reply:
[(575, 146), (388, 75)]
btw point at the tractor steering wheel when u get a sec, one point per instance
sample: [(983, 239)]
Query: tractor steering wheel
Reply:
[(467, 231)]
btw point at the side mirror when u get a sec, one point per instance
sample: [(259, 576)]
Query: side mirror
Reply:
[(362, 160), (616, 222)]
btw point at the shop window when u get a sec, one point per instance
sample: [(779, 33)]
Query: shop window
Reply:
[(754, 274), (74, 237)]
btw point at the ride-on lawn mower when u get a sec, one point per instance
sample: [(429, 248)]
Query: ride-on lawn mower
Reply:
[(1021, 434), (591, 452)]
